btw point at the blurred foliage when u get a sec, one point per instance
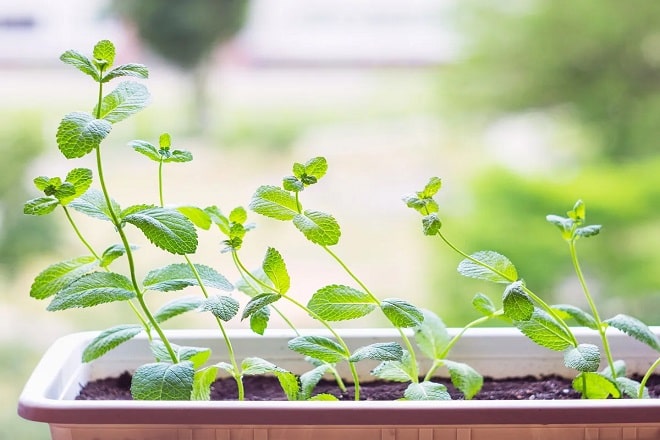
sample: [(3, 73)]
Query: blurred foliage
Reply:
[(184, 32), (597, 60), (21, 236), (509, 217)]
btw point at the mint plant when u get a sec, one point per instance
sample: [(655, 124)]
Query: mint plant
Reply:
[(544, 324), (88, 280)]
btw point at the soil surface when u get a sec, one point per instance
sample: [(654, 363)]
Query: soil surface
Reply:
[(267, 388)]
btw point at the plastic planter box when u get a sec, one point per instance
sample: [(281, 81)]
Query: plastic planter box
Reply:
[(49, 397)]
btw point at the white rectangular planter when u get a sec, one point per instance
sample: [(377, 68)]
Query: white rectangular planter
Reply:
[(49, 397)]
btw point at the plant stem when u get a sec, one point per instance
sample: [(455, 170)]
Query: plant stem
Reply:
[(549, 310), (592, 306), (160, 182), (230, 349), (122, 234), (642, 384), (79, 234), (404, 338), (339, 339)]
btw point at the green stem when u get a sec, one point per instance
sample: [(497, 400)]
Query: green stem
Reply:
[(122, 234), (160, 182), (650, 371), (549, 310), (95, 255), (230, 349), (592, 306), (79, 234), (339, 339), (404, 338)]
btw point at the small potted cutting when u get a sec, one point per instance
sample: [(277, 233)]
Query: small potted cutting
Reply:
[(170, 380)]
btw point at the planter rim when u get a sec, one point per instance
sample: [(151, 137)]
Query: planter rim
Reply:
[(35, 403)]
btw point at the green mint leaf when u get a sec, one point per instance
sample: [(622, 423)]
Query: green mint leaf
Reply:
[(40, 206), (165, 141), (259, 320), (579, 212), (545, 331), (583, 318), (147, 149), (565, 225), (274, 202), (104, 54), (126, 100), (431, 335), (432, 187), (588, 231), (197, 355), (166, 228), (198, 216), (81, 62), (319, 228), (597, 386), (60, 275), (630, 388), (310, 379), (517, 305), (202, 381), (424, 206), (318, 347), (635, 328), (339, 303), (483, 304), (401, 313), (177, 307), (93, 289), (79, 180), (397, 371), (315, 167), (254, 366), (130, 69), (431, 224), (506, 271), (179, 276), (293, 184), (93, 204), (238, 215), (112, 253), (275, 269), (289, 383), (298, 170), (178, 156), (109, 339), (163, 381), (79, 133), (379, 351), (258, 302), (223, 307), (584, 357), (426, 391), (465, 378)]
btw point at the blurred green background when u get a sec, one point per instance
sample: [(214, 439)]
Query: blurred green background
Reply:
[(538, 104)]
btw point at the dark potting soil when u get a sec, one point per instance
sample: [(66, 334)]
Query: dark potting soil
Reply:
[(267, 388)]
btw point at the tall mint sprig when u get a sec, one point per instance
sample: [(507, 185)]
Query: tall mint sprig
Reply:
[(338, 302), (179, 276), (87, 281)]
